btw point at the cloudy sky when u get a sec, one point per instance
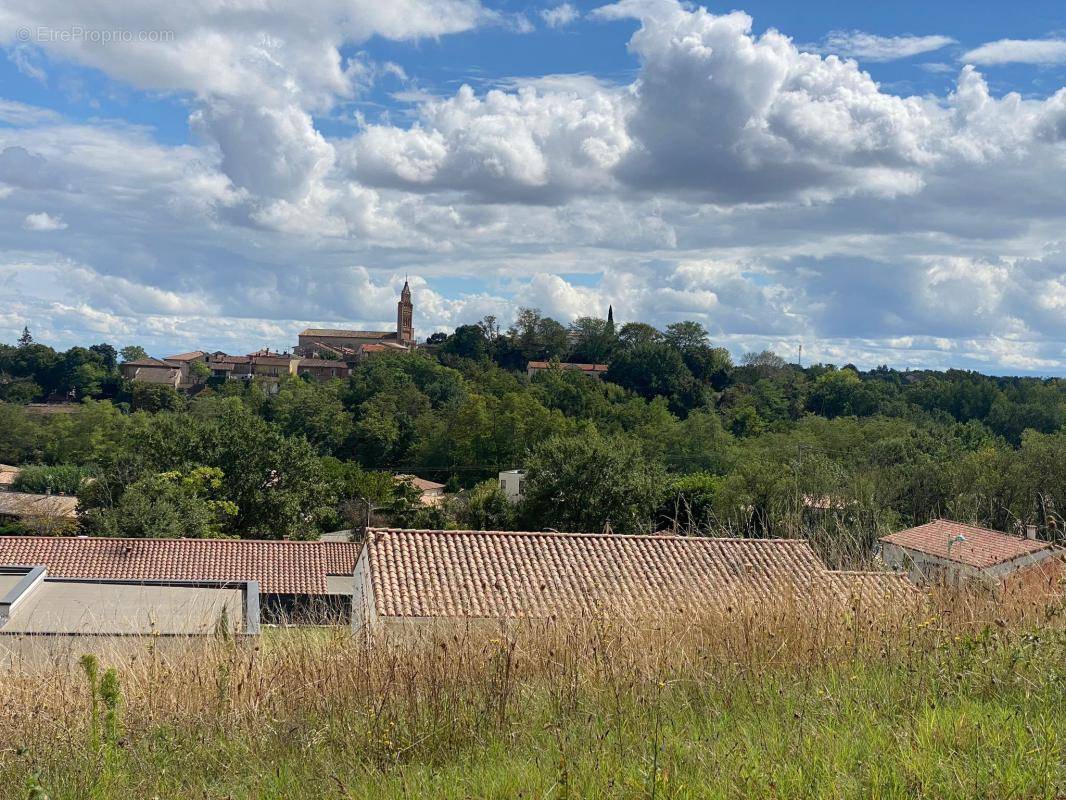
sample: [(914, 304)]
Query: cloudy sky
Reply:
[(883, 183)]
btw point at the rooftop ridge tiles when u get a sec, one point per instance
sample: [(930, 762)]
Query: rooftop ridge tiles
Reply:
[(617, 536)]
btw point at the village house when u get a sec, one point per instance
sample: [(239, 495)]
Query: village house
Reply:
[(430, 493), (184, 362), (322, 369), (949, 552), (152, 370), (512, 481), (223, 365), (321, 353), (297, 581), (8, 474), (414, 577), (50, 514)]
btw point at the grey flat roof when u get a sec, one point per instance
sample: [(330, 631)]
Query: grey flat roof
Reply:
[(34, 603)]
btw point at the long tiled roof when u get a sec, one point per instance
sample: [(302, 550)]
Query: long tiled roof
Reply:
[(965, 544), (26, 504), (195, 355), (281, 567), (341, 333), (321, 362), (148, 362), (477, 574)]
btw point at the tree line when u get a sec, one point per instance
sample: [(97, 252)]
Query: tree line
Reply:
[(675, 436)]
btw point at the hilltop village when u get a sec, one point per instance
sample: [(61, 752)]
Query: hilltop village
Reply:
[(320, 353)]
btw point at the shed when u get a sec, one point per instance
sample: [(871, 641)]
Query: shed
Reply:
[(947, 551), (8, 475), (298, 581)]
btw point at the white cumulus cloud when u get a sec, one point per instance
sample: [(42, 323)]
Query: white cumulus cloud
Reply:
[(43, 222)]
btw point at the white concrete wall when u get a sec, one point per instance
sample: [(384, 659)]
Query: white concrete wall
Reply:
[(923, 568), (511, 483)]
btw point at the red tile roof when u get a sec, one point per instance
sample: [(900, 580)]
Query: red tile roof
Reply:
[(281, 567), (341, 333), (195, 355), (978, 547), (147, 362), (321, 362), (494, 574), (419, 483)]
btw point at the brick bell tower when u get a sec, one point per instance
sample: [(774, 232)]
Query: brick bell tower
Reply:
[(405, 312)]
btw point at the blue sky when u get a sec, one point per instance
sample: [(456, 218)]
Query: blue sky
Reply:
[(882, 183)]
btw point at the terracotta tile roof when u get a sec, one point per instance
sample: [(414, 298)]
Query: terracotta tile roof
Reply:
[(980, 547), (195, 355), (225, 358), (281, 567), (147, 362), (321, 362), (24, 504), (273, 360), (478, 574), (419, 483), (341, 333), (568, 365)]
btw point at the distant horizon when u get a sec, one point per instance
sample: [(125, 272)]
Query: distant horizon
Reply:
[(162, 353), (883, 183)]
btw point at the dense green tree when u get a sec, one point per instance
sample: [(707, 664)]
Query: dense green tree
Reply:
[(538, 338), (314, 411), (169, 505), (593, 341), (133, 352), (651, 369), (155, 397), (108, 355), (20, 391), (468, 341), (275, 481), (486, 508), (634, 333), (583, 482)]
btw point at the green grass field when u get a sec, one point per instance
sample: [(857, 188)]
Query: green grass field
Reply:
[(934, 709)]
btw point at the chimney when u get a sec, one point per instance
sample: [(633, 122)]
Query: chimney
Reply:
[(1030, 531)]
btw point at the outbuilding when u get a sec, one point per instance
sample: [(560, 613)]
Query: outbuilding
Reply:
[(304, 582), (943, 551)]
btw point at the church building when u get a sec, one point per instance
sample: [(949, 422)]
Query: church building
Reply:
[(343, 344)]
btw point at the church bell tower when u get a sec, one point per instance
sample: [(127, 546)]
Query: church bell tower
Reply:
[(405, 311)]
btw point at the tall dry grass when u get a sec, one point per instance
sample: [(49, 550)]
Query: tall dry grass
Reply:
[(431, 696), (477, 668)]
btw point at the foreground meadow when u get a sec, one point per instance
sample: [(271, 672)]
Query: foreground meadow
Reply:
[(959, 699)]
